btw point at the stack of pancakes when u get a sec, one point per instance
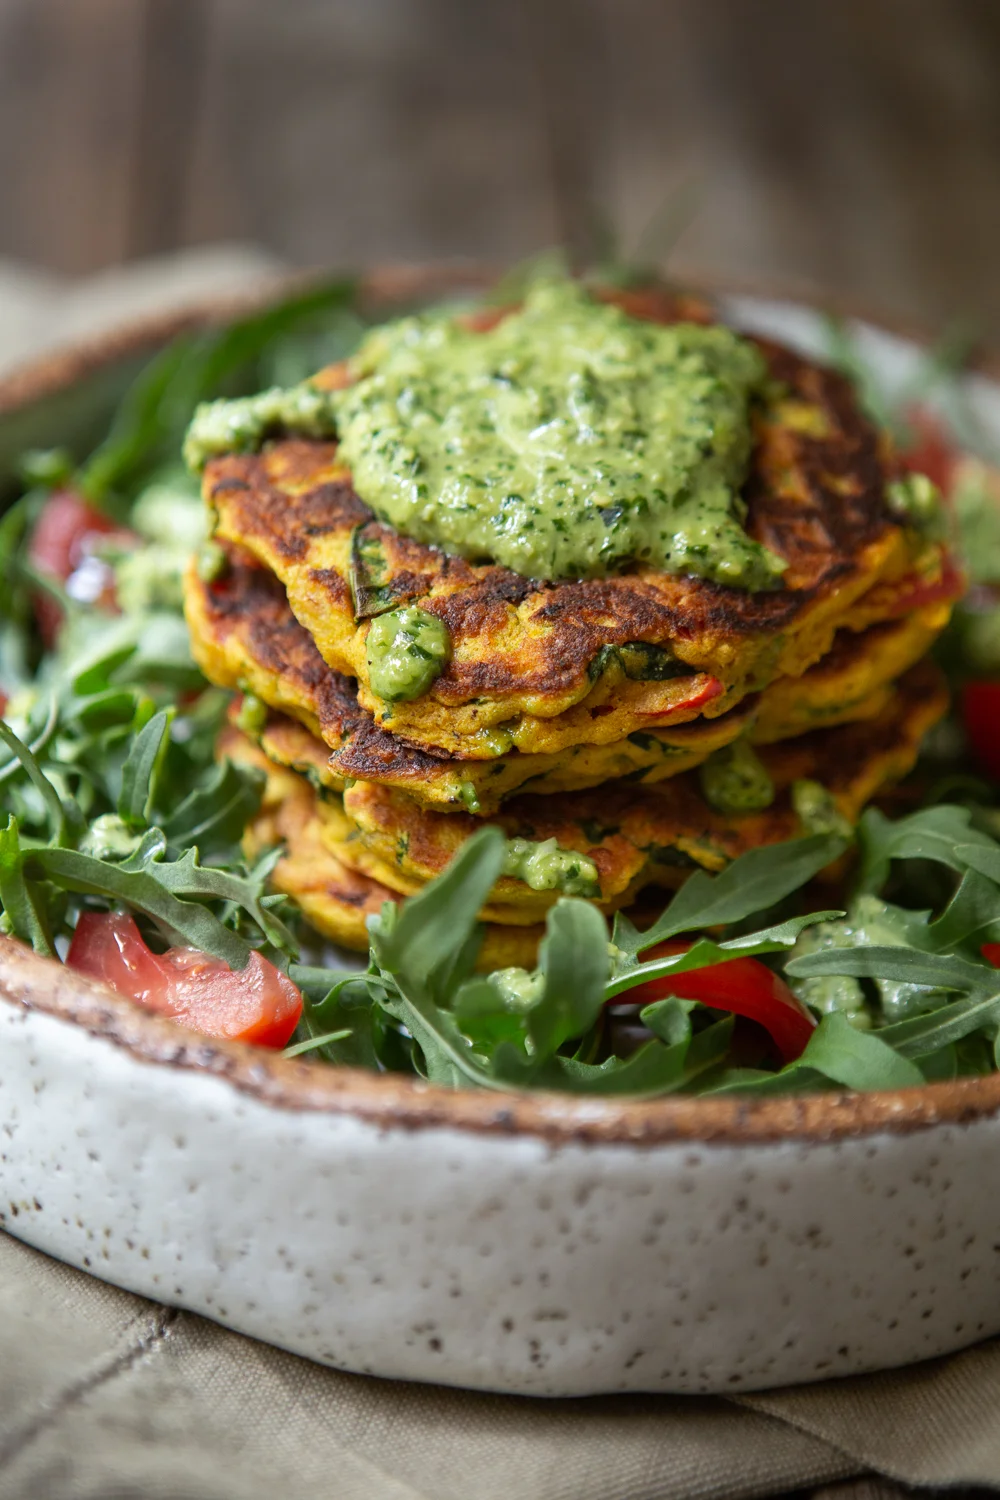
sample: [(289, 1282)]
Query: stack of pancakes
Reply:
[(576, 711)]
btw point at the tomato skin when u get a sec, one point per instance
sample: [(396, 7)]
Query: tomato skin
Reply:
[(991, 953), (744, 986), (257, 1004), (950, 584), (707, 689), (63, 539), (932, 452), (981, 717)]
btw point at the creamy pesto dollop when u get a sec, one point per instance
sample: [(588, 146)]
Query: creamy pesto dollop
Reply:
[(870, 922), (407, 650), (518, 989), (817, 809), (568, 441), (734, 779), (916, 501), (243, 424), (543, 866)]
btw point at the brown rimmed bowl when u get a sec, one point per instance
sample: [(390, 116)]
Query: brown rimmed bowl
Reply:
[(536, 1244)]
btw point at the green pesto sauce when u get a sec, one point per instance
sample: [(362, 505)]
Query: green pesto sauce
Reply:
[(546, 867), (242, 425), (518, 989), (869, 922), (252, 715), (817, 811), (917, 502), (566, 442), (407, 649), (735, 780)]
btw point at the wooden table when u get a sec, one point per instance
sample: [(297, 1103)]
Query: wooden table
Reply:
[(848, 145)]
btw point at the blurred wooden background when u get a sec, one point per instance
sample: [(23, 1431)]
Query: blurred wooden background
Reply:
[(851, 146)]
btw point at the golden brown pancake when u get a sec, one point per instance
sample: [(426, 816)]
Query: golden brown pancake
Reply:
[(635, 836), (539, 667), (335, 898), (639, 835), (854, 680), (245, 636)]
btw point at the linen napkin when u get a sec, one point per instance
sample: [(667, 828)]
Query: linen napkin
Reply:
[(105, 1396)]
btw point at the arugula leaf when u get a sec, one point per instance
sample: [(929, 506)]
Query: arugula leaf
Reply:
[(140, 424), (972, 916), (705, 951), (836, 1053), (142, 887), (23, 910), (653, 1070), (754, 882), (214, 814), (573, 960), (141, 768), (316, 1043), (59, 816), (911, 965), (441, 920), (921, 1035), (446, 1052), (186, 876), (943, 834)]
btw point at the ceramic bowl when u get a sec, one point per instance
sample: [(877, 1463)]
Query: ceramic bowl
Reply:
[(538, 1244)]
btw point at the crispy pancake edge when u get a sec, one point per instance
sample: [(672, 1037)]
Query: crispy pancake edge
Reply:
[(244, 636), (634, 835)]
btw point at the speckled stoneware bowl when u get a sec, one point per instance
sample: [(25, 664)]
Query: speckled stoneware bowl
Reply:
[(540, 1244)]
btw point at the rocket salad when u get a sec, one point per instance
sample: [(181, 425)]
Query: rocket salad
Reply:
[(120, 840)]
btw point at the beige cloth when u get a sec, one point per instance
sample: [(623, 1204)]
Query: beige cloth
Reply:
[(104, 1396)]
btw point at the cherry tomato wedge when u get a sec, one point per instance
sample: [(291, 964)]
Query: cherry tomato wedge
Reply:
[(258, 1004), (949, 584), (744, 986), (981, 717), (62, 544), (991, 953), (932, 451)]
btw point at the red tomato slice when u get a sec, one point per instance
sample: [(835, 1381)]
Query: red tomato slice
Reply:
[(991, 953), (258, 1004), (981, 717), (707, 688), (950, 584), (932, 451), (744, 986), (62, 545)]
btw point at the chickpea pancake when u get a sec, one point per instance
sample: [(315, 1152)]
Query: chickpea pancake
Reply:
[(245, 636), (540, 667), (335, 898), (632, 836), (854, 680)]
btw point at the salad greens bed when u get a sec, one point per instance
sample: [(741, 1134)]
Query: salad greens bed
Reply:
[(113, 799)]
